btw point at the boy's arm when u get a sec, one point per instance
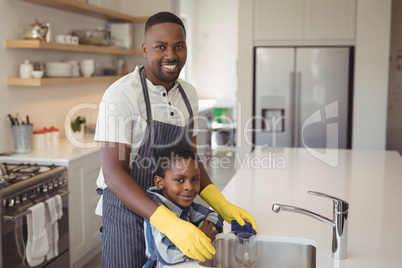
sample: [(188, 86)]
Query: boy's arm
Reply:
[(199, 213), (209, 229)]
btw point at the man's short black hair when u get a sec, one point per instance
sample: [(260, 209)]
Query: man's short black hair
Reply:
[(169, 156), (163, 17)]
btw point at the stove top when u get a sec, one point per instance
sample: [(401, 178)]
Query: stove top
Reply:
[(23, 171), (26, 182)]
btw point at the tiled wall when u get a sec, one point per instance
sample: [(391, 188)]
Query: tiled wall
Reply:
[(394, 121)]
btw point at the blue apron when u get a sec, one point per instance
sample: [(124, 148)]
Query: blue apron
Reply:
[(123, 243)]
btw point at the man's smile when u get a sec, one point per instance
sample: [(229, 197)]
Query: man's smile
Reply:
[(170, 67)]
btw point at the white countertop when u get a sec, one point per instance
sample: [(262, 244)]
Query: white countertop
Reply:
[(59, 154), (371, 181)]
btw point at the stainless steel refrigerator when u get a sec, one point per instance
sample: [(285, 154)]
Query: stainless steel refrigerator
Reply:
[(303, 97)]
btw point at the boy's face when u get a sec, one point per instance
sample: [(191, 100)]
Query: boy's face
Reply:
[(181, 183), (165, 53)]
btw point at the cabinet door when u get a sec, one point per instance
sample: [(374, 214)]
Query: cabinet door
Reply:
[(84, 224), (78, 245), (94, 222), (278, 19), (329, 19)]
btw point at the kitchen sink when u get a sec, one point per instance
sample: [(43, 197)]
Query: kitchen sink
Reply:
[(273, 252)]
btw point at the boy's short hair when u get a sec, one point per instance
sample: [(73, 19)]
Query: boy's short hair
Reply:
[(168, 156), (163, 17)]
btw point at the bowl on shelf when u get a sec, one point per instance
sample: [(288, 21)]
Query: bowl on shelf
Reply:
[(37, 74), (87, 67)]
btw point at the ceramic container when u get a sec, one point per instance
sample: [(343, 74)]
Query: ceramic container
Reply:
[(26, 69), (37, 74)]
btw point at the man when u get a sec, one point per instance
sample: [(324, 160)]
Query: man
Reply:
[(140, 115)]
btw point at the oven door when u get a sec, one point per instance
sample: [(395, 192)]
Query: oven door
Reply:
[(14, 235)]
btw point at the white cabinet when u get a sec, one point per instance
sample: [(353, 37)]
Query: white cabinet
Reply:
[(278, 19), (304, 19), (85, 240), (329, 19)]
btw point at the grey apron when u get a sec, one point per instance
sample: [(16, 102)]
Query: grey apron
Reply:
[(123, 243)]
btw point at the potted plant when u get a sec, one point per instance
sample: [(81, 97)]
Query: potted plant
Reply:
[(78, 127)]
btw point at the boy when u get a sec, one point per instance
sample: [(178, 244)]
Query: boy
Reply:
[(177, 183)]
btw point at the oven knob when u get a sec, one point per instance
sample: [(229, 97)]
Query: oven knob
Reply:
[(10, 202), (17, 200), (50, 186), (55, 184), (44, 188), (24, 198)]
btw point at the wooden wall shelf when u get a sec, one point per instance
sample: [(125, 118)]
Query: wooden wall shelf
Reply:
[(87, 9), (36, 44), (78, 7), (52, 81)]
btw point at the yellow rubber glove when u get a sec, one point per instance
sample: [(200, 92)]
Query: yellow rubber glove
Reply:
[(229, 212), (190, 240)]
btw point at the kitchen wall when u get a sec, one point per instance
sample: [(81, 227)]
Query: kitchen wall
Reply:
[(48, 106), (394, 122), (212, 36)]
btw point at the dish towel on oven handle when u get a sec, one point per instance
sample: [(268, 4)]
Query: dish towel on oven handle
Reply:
[(37, 242), (53, 212)]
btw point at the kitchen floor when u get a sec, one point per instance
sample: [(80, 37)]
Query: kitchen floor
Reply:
[(219, 176)]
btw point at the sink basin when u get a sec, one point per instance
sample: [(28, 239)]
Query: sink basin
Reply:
[(273, 252)]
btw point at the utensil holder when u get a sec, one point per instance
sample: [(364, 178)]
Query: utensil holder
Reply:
[(22, 137)]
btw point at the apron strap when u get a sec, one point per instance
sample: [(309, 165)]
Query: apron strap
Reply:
[(146, 95), (186, 101)]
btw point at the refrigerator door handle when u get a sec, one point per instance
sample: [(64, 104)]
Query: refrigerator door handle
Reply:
[(296, 109)]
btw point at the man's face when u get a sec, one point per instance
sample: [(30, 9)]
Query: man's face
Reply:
[(181, 183), (165, 53)]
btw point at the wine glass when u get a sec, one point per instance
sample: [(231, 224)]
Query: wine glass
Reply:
[(245, 250)]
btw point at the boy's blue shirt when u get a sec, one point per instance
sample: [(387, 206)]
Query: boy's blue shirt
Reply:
[(159, 250)]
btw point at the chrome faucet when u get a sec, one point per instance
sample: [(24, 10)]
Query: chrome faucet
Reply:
[(339, 223)]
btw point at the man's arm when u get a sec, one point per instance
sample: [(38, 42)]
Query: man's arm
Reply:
[(115, 159)]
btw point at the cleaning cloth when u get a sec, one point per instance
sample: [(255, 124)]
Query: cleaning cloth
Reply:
[(53, 213), (37, 242), (246, 228)]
